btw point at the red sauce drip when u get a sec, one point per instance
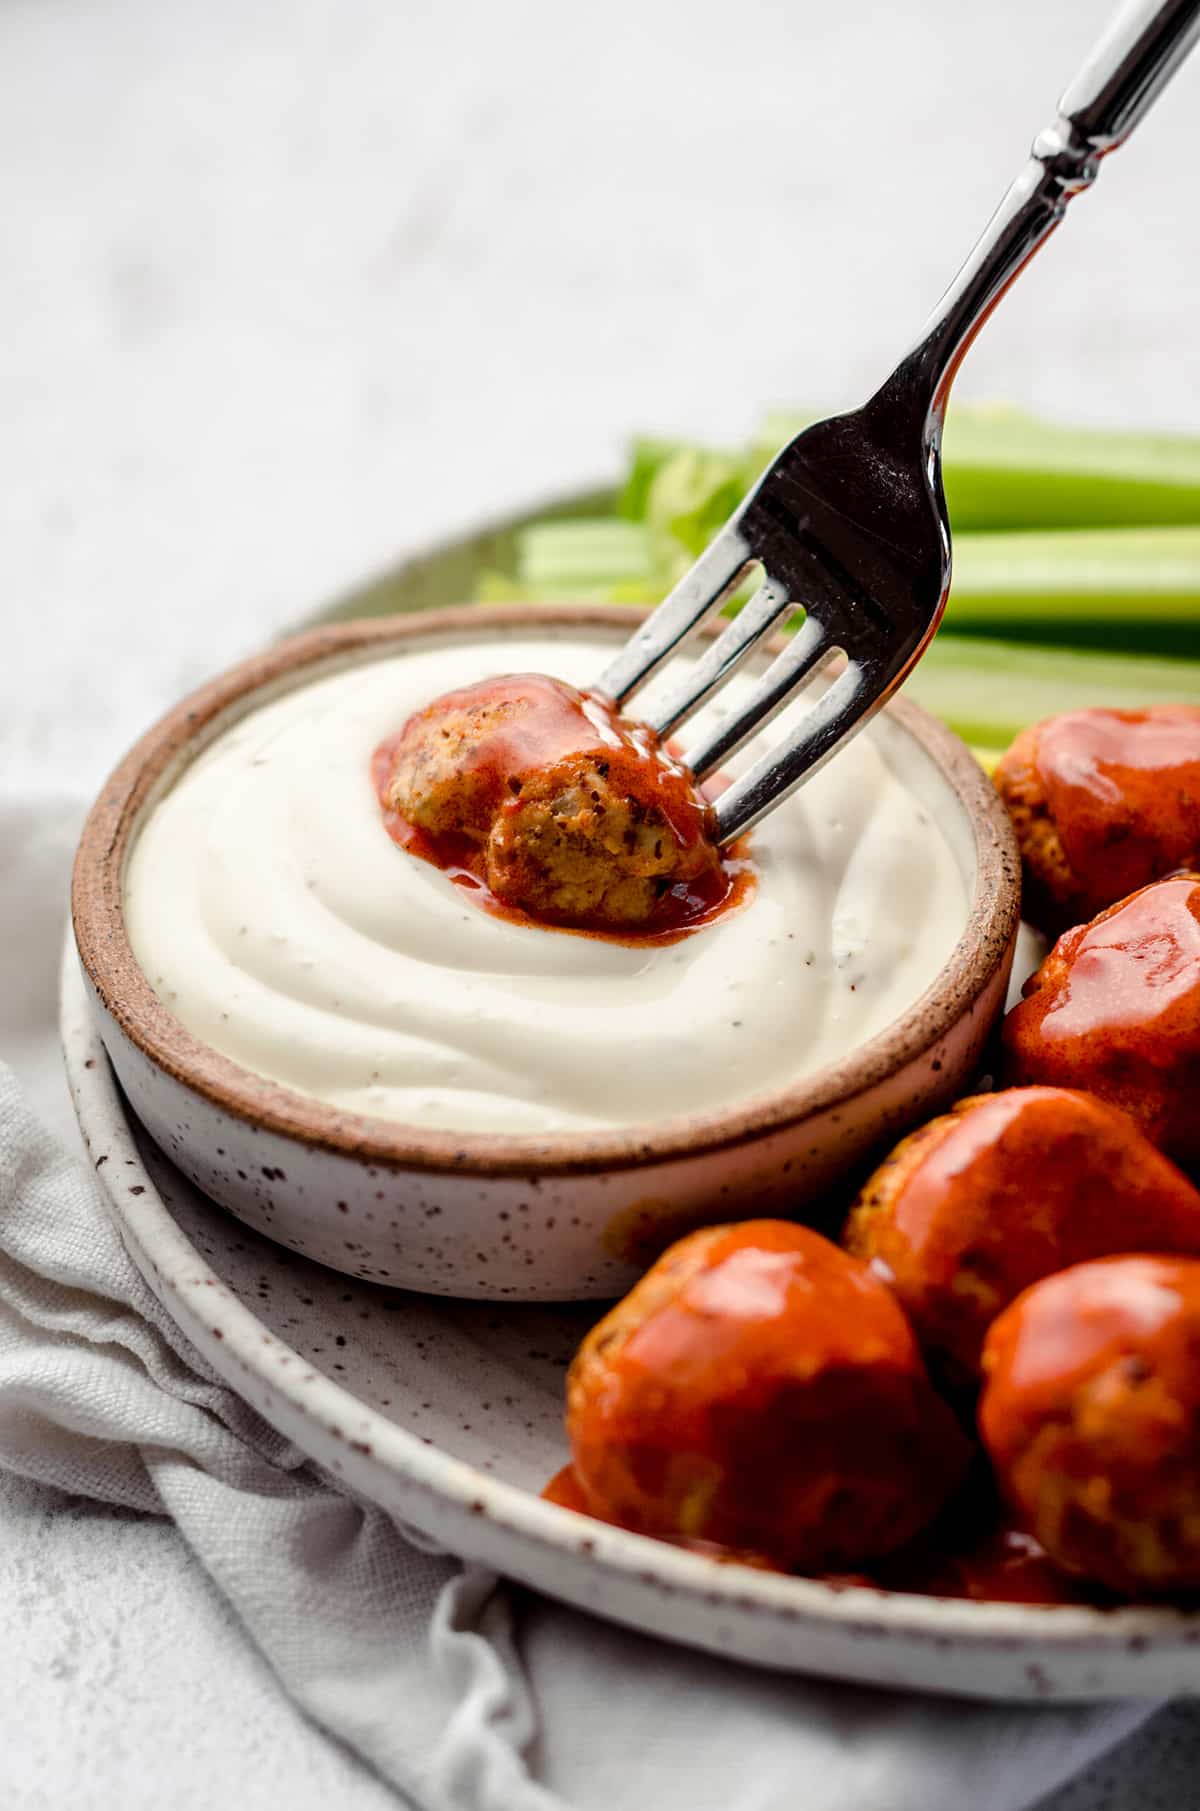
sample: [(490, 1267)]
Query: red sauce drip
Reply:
[(1123, 790), (975, 1550), (1000, 1564), (560, 724)]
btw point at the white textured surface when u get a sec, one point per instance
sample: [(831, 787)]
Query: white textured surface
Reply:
[(291, 286)]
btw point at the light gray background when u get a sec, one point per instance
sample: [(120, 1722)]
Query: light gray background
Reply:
[(290, 287)]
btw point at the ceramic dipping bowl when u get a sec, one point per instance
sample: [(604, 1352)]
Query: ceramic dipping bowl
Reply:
[(564, 1216)]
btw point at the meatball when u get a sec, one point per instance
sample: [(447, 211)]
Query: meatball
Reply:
[(564, 1490), (761, 1391), (1002, 1190), (563, 808), (1103, 802), (1091, 1416), (1115, 1008)]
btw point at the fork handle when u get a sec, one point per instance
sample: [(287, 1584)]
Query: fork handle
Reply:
[(1116, 87)]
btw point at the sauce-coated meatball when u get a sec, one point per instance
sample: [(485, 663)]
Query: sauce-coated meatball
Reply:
[(1103, 802), (1091, 1416), (566, 810), (1115, 1009), (762, 1391), (1007, 1188)]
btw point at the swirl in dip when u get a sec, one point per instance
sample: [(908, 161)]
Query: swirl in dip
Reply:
[(279, 921)]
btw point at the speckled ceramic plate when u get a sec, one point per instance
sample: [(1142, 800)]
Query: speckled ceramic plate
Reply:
[(449, 1414)]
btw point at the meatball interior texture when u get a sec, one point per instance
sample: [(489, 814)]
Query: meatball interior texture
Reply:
[(580, 816), (1091, 1416), (1115, 1009), (1103, 802), (1004, 1189), (761, 1390)]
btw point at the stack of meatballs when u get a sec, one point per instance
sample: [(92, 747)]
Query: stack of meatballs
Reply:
[(991, 1385)]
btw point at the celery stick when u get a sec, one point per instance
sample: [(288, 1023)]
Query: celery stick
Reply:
[(594, 551), (989, 690), (500, 588), (1130, 578), (647, 458), (1005, 469), (689, 499)]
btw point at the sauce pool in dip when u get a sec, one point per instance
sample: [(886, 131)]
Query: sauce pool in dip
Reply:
[(280, 923)]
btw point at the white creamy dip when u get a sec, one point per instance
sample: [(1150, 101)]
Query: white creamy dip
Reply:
[(281, 924)]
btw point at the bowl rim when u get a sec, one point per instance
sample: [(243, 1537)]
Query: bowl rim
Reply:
[(97, 910)]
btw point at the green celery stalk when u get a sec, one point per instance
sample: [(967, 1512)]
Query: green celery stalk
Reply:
[(1104, 584), (593, 551), (689, 499), (990, 690), (1088, 585), (1132, 587), (1004, 470), (594, 559), (647, 457), (501, 588), (1007, 470)]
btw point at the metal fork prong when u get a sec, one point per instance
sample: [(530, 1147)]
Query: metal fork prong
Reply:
[(840, 711), (701, 589), (761, 613), (787, 673)]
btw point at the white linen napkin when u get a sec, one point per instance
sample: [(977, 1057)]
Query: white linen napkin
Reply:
[(464, 1694)]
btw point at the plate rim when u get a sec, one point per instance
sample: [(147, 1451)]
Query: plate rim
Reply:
[(385, 1451)]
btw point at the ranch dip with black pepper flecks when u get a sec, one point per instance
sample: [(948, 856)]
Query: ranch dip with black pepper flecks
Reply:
[(280, 923)]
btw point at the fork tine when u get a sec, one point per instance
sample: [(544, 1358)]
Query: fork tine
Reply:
[(785, 676), (731, 647), (700, 590), (842, 710)]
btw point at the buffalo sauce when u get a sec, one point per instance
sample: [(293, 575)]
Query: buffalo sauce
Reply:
[(977, 1551), (1008, 1566), (1133, 1320), (565, 1490), (1130, 979), (760, 1389), (1115, 1008), (1123, 790), (1006, 1189), (557, 725), (996, 1563), (1089, 1413)]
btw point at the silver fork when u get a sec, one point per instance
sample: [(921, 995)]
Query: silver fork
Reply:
[(849, 524)]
